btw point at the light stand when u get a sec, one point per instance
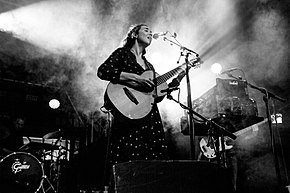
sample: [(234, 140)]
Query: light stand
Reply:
[(266, 97)]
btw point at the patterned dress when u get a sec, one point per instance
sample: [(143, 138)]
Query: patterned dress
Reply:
[(137, 139)]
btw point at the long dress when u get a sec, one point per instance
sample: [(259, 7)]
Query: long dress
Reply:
[(137, 139)]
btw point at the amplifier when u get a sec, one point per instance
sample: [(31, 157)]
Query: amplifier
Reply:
[(227, 97)]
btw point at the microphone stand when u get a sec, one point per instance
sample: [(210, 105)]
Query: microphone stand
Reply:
[(215, 128), (189, 100), (266, 97), (189, 103), (181, 47)]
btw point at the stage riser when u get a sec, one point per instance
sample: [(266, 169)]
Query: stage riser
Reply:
[(170, 177)]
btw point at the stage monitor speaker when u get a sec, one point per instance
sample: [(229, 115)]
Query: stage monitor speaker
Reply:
[(170, 177), (256, 166)]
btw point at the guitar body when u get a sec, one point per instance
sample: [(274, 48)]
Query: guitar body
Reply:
[(135, 104), (132, 103), (209, 149)]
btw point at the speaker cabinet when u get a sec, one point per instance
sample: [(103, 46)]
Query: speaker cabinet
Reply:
[(170, 177), (256, 164)]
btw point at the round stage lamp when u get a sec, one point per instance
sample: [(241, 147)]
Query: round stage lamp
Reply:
[(216, 68), (54, 103)]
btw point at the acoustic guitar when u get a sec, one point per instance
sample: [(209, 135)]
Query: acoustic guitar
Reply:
[(135, 104)]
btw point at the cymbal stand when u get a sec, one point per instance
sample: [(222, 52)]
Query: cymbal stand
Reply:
[(57, 178), (61, 154)]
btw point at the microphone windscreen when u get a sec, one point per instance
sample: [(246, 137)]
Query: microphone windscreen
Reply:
[(155, 36)]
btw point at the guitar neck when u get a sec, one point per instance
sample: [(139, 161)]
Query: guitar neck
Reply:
[(163, 78)]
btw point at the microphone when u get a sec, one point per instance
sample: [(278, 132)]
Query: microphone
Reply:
[(229, 70), (176, 81), (169, 89), (157, 35)]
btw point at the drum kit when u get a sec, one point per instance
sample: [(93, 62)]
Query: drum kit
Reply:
[(36, 166)]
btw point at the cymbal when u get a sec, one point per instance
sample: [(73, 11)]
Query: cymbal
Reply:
[(40, 146), (53, 135)]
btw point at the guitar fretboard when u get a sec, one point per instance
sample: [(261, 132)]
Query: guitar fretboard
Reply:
[(163, 78)]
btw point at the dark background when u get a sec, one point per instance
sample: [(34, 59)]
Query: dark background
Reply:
[(31, 75)]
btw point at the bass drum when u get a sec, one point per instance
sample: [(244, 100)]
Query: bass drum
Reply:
[(20, 173)]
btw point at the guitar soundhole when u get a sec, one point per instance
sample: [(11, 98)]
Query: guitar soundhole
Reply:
[(131, 96)]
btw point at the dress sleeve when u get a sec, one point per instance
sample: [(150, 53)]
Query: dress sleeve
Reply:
[(111, 69)]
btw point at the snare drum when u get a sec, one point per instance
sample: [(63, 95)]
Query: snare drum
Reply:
[(20, 173)]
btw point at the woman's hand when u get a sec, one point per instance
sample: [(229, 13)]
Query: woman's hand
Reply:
[(145, 84), (137, 82)]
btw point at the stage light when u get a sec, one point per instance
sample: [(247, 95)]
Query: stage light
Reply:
[(216, 68), (54, 103)]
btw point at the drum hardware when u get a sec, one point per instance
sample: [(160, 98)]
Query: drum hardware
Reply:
[(22, 172), (50, 186), (54, 166), (50, 152), (55, 156)]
